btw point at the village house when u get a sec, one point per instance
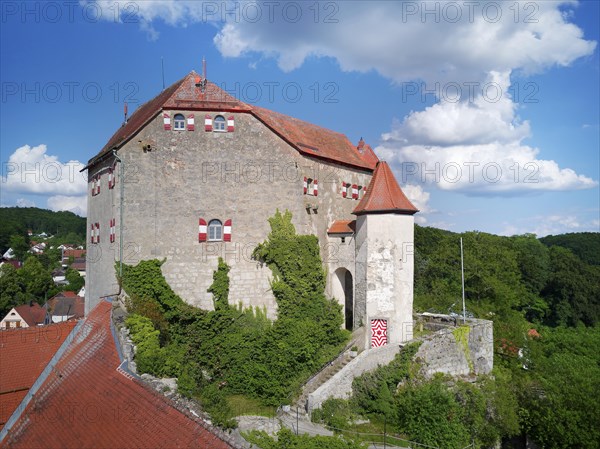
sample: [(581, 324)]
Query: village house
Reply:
[(65, 306), (194, 174), (25, 315)]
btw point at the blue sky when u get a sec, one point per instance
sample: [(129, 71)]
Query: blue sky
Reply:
[(488, 112)]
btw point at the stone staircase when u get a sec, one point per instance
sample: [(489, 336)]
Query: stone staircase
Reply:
[(329, 370), (327, 373)]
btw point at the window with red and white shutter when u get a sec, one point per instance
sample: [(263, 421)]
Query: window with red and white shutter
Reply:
[(112, 230), (111, 177), (190, 122), (202, 230), (227, 230), (167, 121), (208, 123)]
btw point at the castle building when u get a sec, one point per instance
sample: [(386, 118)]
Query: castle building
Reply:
[(194, 174)]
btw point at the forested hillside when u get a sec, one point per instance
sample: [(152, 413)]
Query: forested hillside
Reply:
[(548, 380), (18, 220), (586, 245), (33, 281)]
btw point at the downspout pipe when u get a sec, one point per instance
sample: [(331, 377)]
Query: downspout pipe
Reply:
[(121, 202)]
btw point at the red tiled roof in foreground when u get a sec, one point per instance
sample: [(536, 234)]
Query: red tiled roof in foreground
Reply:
[(384, 195), (305, 137), (87, 403), (342, 227), (24, 353)]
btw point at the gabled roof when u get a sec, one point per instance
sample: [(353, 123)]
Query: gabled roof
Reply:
[(88, 401), (24, 353), (384, 195), (33, 315), (313, 140), (79, 266), (342, 227), (75, 253), (65, 294), (186, 94), (67, 304)]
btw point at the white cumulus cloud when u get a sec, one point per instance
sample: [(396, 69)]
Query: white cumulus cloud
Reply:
[(75, 204), (459, 41), (32, 171), (475, 147)]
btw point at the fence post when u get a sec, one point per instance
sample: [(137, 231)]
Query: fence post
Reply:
[(384, 430)]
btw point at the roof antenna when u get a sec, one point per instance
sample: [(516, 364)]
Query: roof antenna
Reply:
[(162, 65), (203, 86), (125, 112)]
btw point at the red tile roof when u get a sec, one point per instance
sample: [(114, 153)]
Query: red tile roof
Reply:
[(384, 195), (74, 253), (87, 403), (65, 294), (79, 266), (305, 137), (342, 227), (24, 353), (14, 263), (313, 140), (32, 314), (67, 304)]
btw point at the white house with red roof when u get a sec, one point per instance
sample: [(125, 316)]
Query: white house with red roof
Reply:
[(25, 315), (194, 174)]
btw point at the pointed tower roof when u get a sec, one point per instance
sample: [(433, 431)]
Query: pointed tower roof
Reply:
[(384, 195), (192, 93)]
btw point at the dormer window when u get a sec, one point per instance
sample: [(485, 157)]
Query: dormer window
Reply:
[(179, 122), (220, 124), (215, 231)]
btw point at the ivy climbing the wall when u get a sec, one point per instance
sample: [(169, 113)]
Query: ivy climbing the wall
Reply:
[(232, 350)]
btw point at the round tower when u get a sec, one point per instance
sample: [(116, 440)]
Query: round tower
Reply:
[(385, 260)]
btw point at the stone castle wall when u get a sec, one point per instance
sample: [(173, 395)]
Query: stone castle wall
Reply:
[(244, 176)]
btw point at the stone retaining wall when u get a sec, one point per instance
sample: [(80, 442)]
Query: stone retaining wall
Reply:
[(454, 349)]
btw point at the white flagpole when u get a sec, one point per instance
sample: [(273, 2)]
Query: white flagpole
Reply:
[(462, 271)]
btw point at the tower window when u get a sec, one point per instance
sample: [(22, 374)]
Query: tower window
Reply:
[(220, 124), (179, 122), (215, 231)]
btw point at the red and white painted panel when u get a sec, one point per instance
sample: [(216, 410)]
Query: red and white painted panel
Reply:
[(378, 333)]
